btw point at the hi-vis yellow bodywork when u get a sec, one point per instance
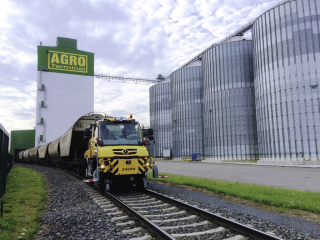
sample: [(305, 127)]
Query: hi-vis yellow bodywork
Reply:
[(139, 156), (119, 160), (103, 149)]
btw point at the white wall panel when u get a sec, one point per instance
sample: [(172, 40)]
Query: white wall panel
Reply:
[(66, 97)]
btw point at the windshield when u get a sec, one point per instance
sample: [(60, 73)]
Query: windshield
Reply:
[(119, 133)]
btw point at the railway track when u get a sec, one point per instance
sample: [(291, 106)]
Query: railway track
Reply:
[(169, 218), (166, 217)]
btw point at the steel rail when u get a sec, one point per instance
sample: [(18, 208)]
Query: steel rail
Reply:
[(236, 226), (146, 222), (161, 234)]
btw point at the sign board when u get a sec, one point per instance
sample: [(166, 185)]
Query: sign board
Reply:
[(64, 59), (67, 61)]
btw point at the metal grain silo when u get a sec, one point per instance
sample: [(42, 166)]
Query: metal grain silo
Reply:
[(187, 120), (286, 76), (160, 117), (229, 102)]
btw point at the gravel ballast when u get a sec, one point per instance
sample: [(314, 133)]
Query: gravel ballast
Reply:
[(72, 214)]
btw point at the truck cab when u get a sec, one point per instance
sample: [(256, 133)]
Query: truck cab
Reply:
[(117, 153)]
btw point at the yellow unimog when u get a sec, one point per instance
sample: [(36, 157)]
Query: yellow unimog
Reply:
[(104, 149), (116, 153)]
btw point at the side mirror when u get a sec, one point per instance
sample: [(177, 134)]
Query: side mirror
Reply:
[(145, 132), (151, 131), (99, 142), (151, 138)]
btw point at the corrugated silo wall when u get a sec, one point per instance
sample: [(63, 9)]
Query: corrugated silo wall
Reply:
[(286, 75), (187, 118), (160, 117), (229, 102)]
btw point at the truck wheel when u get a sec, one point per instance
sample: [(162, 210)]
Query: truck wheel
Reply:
[(101, 181), (140, 186)]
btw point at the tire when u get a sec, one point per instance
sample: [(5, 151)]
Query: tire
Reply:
[(101, 181), (140, 186)]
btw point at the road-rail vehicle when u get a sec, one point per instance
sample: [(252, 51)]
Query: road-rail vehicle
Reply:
[(108, 150)]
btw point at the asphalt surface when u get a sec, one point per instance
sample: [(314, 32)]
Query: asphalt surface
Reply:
[(299, 178)]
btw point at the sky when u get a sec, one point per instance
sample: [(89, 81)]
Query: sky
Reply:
[(140, 38)]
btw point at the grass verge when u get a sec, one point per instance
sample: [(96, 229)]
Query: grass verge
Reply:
[(278, 197), (24, 203)]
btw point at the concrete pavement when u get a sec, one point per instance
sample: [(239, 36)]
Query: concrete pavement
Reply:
[(299, 178)]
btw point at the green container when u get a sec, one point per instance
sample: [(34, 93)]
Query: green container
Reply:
[(21, 140)]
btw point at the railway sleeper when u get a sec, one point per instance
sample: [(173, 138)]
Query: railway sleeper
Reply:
[(156, 206), (164, 215), (188, 225), (110, 209), (143, 211), (136, 197), (145, 200), (174, 220), (98, 198), (237, 237), (164, 209), (133, 230), (119, 218), (105, 201), (180, 235), (125, 223), (115, 213), (143, 204), (106, 205), (146, 237)]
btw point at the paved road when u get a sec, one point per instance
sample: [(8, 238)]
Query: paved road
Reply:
[(306, 179)]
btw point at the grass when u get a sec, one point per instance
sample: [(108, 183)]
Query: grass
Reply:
[(273, 196), (24, 203)]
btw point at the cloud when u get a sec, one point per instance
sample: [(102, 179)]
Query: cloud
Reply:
[(141, 38)]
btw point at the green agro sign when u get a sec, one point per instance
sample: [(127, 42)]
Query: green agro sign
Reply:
[(67, 61)]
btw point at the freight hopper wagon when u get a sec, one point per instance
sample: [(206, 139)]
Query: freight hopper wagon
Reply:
[(103, 149)]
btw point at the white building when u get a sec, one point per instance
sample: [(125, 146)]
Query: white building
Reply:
[(65, 89)]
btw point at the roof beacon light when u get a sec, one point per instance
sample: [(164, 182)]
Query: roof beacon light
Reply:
[(131, 115)]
